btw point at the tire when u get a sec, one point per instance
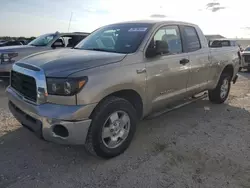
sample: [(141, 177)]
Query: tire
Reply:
[(102, 117), (215, 95), (240, 69)]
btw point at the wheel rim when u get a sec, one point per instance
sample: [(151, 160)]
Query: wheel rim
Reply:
[(224, 88), (115, 129)]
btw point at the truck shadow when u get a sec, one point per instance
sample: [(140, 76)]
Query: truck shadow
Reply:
[(4, 82), (24, 157), (3, 85)]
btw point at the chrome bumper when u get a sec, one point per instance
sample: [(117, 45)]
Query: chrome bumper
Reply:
[(42, 119)]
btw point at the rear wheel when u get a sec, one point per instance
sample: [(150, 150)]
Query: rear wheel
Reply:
[(221, 92), (112, 128)]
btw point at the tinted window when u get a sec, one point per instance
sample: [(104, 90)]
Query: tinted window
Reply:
[(225, 43), (192, 39), (171, 35), (119, 38)]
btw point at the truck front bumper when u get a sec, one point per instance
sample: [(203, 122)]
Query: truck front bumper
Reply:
[(48, 120)]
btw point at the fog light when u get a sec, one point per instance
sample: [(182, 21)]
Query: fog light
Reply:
[(61, 131)]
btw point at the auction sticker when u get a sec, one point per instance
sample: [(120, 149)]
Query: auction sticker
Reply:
[(138, 29)]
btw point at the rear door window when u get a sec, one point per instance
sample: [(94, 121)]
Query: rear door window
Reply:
[(192, 40)]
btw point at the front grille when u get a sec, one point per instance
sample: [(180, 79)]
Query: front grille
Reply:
[(24, 84), (247, 58)]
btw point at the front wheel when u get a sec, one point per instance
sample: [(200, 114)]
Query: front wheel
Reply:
[(112, 128), (221, 92)]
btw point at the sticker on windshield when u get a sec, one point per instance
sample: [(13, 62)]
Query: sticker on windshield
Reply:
[(138, 29)]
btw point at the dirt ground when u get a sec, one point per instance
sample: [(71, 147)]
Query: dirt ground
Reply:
[(200, 145)]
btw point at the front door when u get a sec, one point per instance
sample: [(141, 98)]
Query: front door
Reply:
[(167, 74)]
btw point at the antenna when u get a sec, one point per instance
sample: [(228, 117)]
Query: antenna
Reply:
[(70, 20)]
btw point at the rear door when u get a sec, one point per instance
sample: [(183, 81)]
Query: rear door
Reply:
[(167, 74), (198, 56)]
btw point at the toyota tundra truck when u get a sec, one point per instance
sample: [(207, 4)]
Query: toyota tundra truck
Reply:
[(95, 93)]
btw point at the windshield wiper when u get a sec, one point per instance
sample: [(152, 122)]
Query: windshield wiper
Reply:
[(36, 45), (101, 50), (98, 49)]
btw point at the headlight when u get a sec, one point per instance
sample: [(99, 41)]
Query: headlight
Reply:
[(65, 87), (7, 57)]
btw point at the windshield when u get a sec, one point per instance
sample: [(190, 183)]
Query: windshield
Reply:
[(247, 49), (118, 38), (42, 40)]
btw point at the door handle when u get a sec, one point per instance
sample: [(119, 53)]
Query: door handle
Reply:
[(184, 61), (139, 71)]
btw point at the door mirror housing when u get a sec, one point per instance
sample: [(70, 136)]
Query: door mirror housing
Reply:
[(160, 48)]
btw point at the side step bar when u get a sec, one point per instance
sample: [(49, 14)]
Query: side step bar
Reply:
[(189, 101)]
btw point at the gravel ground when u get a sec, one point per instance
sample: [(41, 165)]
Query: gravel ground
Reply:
[(200, 145)]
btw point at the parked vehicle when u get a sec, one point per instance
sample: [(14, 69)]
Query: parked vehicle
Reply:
[(24, 42), (11, 54), (245, 60), (2, 41), (10, 43), (95, 93)]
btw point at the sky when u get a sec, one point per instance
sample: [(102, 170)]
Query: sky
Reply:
[(35, 17)]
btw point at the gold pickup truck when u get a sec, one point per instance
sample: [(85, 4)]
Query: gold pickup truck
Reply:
[(95, 93)]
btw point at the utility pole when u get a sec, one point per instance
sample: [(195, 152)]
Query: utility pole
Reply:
[(70, 20)]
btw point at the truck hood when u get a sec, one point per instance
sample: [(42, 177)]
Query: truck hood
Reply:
[(62, 63)]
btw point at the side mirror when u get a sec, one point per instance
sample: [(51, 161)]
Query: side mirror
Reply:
[(161, 47), (151, 52)]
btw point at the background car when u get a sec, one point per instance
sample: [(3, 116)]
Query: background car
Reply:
[(11, 43), (51, 41)]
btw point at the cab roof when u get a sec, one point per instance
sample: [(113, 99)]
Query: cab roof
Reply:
[(71, 33), (156, 22)]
